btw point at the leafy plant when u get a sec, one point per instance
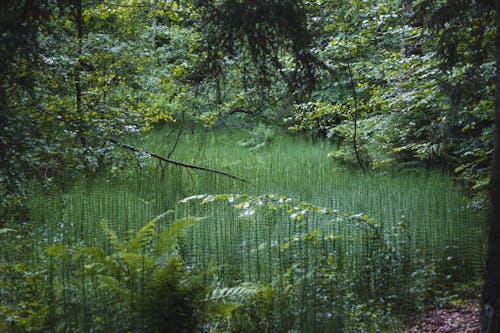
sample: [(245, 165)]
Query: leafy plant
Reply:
[(259, 137)]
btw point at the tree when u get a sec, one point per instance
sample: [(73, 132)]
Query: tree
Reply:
[(270, 36), (490, 305), (455, 118), (19, 136), (72, 73), (423, 74)]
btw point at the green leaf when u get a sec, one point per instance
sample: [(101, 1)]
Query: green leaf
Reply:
[(57, 250)]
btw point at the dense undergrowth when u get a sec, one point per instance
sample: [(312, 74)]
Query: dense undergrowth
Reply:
[(307, 245)]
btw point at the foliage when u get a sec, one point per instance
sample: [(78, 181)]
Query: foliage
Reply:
[(321, 289), (239, 262), (146, 283), (415, 67), (73, 77), (18, 136), (92, 290), (26, 296), (269, 31), (392, 84), (259, 137)]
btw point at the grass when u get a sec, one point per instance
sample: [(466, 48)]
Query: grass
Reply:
[(397, 236), (430, 201)]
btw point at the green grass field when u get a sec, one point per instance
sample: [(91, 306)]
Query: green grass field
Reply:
[(368, 247)]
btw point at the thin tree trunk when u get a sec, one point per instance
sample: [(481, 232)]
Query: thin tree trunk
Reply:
[(356, 116), (78, 69), (153, 26), (218, 91), (490, 305)]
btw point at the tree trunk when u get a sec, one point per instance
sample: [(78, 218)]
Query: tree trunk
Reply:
[(490, 305), (78, 71), (356, 116)]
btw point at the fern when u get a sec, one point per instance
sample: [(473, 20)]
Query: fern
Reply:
[(133, 278), (170, 237), (145, 235), (238, 294), (111, 235)]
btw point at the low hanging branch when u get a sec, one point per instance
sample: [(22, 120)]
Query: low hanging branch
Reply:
[(168, 160)]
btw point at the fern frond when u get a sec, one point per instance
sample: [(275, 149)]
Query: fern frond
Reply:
[(237, 294), (96, 253), (145, 235), (170, 236), (113, 238)]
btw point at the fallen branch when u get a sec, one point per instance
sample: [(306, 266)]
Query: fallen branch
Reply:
[(168, 160)]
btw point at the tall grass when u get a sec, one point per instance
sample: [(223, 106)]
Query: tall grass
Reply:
[(390, 230), (430, 201)]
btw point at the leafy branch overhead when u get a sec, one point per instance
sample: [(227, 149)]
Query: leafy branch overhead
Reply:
[(269, 31)]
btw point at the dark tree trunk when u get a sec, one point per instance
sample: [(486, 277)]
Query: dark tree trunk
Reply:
[(490, 307), (78, 70)]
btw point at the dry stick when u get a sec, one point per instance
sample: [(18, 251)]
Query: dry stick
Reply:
[(168, 160)]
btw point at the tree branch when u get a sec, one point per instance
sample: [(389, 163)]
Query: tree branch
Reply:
[(178, 135), (168, 160)]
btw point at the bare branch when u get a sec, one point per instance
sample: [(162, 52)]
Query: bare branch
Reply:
[(168, 160)]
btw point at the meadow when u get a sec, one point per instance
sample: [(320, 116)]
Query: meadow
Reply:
[(304, 245)]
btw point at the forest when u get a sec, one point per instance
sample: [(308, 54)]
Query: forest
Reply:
[(248, 165)]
